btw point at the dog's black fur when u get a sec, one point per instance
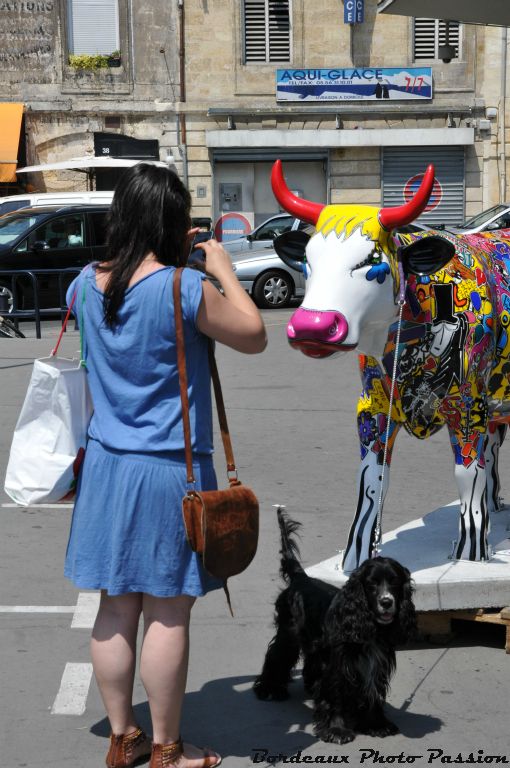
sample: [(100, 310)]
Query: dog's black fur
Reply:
[(346, 637)]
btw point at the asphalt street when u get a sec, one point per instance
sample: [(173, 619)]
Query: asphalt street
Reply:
[(292, 423)]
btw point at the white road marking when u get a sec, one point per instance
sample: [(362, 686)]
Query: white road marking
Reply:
[(71, 698), (38, 506), (86, 609), (84, 612), (37, 608)]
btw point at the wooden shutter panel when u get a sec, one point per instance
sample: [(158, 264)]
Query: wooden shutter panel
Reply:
[(93, 26)]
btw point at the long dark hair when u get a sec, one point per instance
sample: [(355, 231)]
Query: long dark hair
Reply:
[(150, 213)]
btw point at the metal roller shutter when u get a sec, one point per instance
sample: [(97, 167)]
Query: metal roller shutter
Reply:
[(401, 165), (240, 155), (93, 26)]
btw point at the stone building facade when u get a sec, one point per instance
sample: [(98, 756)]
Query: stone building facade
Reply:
[(232, 113), (184, 83), (71, 112)]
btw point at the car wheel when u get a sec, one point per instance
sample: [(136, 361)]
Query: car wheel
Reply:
[(273, 290), (7, 299)]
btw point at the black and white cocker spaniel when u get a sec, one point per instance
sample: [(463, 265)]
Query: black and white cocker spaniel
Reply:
[(346, 638)]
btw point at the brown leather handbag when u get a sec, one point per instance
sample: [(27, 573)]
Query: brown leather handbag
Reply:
[(221, 526)]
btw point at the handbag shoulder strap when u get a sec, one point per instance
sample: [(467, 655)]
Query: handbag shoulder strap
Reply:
[(183, 385)]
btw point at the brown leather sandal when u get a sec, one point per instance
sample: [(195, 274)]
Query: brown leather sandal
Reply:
[(166, 756), (127, 750)]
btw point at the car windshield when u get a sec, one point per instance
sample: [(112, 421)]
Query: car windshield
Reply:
[(483, 217), (13, 226), (13, 205), (272, 228)]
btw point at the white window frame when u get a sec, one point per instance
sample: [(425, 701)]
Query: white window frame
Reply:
[(265, 38), (439, 34)]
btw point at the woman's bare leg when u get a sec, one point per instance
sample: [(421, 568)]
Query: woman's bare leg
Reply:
[(164, 668), (164, 661), (113, 650)]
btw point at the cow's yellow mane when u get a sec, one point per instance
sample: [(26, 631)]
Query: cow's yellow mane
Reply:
[(343, 220)]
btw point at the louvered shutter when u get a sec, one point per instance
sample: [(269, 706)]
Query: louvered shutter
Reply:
[(429, 34), (93, 26), (266, 30), (279, 30), (424, 38), (453, 35), (255, 32)]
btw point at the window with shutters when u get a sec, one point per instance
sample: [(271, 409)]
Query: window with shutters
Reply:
[(93, 26), (267, 30), (429, 34)]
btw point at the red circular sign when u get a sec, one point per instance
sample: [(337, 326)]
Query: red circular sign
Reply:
[(413, 184), (231, 225)]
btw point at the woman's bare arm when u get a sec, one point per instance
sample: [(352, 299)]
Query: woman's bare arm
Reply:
[(230, 318)]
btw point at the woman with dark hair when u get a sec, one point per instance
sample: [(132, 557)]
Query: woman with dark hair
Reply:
[(127, 536)]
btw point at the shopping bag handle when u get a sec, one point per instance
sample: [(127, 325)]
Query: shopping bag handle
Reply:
[(64, 325), (80, 323)]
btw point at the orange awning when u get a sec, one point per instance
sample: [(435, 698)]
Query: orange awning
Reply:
[(10, 127)]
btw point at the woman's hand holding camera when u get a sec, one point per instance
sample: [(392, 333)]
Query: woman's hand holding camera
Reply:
[(217, 261)]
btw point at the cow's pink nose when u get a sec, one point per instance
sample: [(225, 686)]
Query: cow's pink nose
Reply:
[(314, 325)]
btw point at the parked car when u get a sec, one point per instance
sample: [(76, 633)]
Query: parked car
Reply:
[(263, 235), (33, 199), (412, 228), (50, 237), (497, 217), (267, 279)]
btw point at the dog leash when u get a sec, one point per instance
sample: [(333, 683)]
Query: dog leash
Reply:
[(376, 546)]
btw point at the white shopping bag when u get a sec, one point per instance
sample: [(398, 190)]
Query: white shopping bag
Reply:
[(50, 435)]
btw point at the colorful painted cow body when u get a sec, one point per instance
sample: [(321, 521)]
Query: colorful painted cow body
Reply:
[(453, 360)]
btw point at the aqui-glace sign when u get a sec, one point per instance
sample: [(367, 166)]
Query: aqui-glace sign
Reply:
[(354, 84)]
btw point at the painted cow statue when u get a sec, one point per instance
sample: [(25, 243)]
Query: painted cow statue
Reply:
[(453, 358)]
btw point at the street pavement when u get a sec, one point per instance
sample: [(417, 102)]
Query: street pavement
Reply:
[(292, 423)]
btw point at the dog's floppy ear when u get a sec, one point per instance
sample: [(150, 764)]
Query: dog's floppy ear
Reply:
[(405, 628), (349, 619), (407, 623)]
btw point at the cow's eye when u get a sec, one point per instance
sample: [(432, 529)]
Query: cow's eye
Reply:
[(374, 257)]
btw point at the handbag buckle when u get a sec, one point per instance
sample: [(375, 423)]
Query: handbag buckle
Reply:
[(232, 476)]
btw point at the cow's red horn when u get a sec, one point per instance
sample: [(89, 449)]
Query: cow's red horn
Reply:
[(297, 206), (404, 214)]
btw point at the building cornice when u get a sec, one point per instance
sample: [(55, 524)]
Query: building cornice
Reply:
[(344, 111), (330, 138)]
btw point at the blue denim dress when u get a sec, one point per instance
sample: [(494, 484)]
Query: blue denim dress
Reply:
[(127, 533)]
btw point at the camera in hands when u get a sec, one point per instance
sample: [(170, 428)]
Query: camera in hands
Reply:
[(196, 256)]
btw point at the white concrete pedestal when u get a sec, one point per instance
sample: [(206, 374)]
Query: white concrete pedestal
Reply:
[(424, 547)]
